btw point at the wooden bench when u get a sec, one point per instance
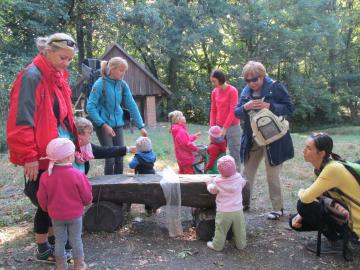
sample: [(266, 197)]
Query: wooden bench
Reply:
[(110, 192)]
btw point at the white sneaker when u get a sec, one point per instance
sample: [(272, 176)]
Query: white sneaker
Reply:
[(210, 245)]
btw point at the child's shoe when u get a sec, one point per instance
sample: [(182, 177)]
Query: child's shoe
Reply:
[(210, 245)]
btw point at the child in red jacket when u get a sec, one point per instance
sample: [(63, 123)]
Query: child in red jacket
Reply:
[(183, 142), (63, 193), (216, 148)]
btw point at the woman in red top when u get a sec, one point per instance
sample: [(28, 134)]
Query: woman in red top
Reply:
[(40, 110), (224, 99)]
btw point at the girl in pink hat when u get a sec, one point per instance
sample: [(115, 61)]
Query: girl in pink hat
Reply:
[(229, 208), (216, 149), (63, 193)]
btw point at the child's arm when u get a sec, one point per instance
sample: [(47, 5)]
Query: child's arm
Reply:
[(101, 152), (42, 195), (184, 140), (133, 163), (211, 187), (195, 136), (85, 189)]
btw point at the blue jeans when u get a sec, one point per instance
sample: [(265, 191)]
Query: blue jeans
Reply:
[(68, 229)]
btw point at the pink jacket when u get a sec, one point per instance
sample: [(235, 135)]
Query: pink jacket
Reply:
[(183, 144), (64, 193), (229, 192)]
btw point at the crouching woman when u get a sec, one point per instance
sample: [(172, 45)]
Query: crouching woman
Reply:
[(333, 180)]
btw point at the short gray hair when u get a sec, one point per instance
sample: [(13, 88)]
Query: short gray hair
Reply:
[(82, 124)]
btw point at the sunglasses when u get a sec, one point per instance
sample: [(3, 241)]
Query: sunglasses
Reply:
[(69, 43), (255, 79)]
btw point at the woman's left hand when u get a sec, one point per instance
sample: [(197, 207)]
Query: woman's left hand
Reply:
[(198, 134), (296, 222), (259, 104), (223, 132), (143, 132)]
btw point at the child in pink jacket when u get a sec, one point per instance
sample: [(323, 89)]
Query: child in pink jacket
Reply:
[(63, 193), (229, 208), (183, 142)]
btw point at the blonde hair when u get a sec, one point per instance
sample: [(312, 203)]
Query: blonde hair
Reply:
[(175, 117), (82, 124), (55, 42), (255, 69), (115, 62)]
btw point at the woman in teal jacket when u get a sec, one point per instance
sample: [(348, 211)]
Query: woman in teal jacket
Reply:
[(104, 109)]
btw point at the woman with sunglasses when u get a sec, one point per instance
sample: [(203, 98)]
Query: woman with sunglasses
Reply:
[(224, 98), (41, 110), (263, 92), (335, 180)]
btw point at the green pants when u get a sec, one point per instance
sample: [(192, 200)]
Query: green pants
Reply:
[(223, 223)]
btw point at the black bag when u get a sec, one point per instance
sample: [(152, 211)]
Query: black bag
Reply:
[(339, 213)]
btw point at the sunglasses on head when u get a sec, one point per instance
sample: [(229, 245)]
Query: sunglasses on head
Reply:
[(255, 79), (69, 43)]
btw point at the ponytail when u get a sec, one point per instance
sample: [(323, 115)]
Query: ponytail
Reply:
[(104, 68)]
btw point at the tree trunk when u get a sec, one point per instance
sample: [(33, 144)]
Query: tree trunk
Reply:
[(89, 39), (80, 41)]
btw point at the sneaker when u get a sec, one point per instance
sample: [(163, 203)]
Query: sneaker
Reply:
[(275, 215), (327, 247), (46, 256), (210, 245)]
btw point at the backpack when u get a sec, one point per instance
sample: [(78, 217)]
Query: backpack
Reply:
[(354, 169), (267, 127)]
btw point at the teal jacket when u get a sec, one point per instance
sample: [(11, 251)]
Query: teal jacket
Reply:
[(104, 107)]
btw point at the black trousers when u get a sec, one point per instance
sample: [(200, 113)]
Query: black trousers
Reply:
[(42, 221), (311, 220)]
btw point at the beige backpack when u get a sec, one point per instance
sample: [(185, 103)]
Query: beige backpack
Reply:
[(267, 127)]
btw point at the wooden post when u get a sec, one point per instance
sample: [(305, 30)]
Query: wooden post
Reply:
[(150, 111)]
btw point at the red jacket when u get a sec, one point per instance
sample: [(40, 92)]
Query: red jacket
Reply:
[(183, 144), (31, 123), (214, 150), (64, 193), (223, 103)]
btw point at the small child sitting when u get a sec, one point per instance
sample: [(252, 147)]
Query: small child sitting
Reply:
[(91, 151), (229, 208), (144, 159), (216, 148), (143, 162), (63, 193), (183, 142)]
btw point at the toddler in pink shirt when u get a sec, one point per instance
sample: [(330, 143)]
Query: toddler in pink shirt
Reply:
[(63, 193), (229, 208)]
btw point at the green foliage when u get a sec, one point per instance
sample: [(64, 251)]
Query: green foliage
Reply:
[(311, 46)]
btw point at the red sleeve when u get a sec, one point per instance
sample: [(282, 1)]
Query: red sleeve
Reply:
[(233, 100), (41, 193), (213, 152), (184, 139), (20, 124), (85, 190), (213, 109)]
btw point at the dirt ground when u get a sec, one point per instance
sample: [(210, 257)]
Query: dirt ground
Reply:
[(143, 243)]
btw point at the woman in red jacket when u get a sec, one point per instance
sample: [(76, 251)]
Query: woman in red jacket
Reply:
[(41, 110), (224, 98)]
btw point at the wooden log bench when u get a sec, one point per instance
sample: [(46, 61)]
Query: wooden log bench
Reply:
[(110, 192)]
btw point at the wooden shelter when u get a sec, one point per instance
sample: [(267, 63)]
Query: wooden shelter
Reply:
[(146, 89)]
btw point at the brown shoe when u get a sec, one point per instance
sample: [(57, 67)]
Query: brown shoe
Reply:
[(79, 263), (61, 263)]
